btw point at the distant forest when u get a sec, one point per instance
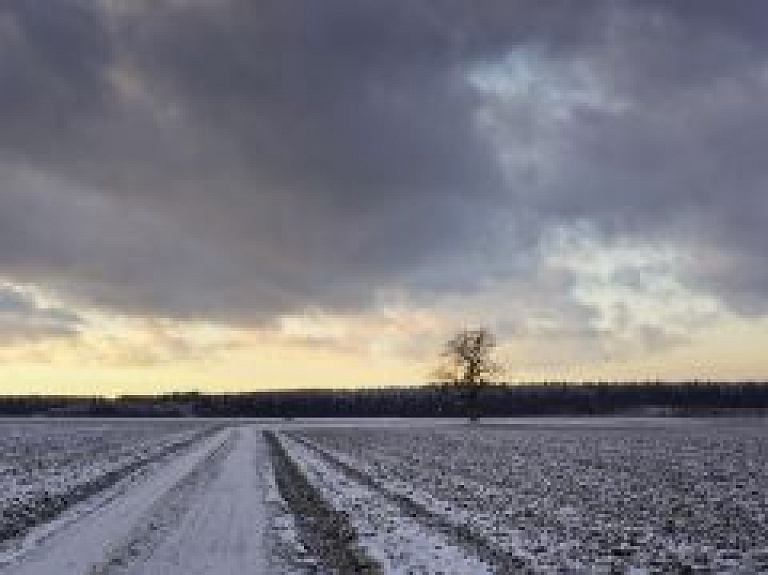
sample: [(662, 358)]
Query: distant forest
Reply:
[(504, 400)]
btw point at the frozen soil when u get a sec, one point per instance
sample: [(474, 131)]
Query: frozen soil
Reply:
[(396, 541), (682, 498), (325, 530), (305, 498)]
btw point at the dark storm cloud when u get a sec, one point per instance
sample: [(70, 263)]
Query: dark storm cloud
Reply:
[(52, 61), (686, 158), (664, 139), (243, 158), (98, 249), (309, 147)]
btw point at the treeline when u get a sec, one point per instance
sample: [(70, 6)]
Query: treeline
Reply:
[(648, 398)]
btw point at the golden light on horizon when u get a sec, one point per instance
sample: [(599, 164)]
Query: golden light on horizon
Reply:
[(159, 356)]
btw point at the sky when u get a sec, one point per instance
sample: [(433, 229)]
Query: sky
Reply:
[(226, 195)]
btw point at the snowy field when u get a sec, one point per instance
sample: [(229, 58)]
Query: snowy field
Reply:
[(523, 496), (579, 497), (46, 467)]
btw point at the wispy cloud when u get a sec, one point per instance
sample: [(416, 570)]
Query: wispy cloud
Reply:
[(25, 316)]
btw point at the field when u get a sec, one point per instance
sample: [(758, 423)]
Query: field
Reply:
[(46, 467), (526, 496)]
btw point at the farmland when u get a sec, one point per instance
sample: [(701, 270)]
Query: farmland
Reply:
[(525, 496), (46, 467), (576, 498)]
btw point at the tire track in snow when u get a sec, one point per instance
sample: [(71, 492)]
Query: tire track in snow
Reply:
[(50, 509), (224, 528), (325, 531), (165, 516), (394, 532), (84, 544), (457, 533)]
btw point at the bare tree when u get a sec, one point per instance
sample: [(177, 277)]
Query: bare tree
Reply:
[(468, 363), (468, 358)]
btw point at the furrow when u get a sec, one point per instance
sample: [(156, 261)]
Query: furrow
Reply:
[(326, 532), (398, 539), (461, 534)]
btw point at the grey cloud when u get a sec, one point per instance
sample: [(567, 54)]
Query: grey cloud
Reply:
[(306, 149), (52, 61), (241, 159), (671, 148), (98, 249), (22, 317)]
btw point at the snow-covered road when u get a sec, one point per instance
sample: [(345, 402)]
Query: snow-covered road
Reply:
[(202, 512), (223, 531)]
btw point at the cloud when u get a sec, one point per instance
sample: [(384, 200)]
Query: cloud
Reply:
[(246, 161), (307, 150), (24, 317), (653, 130)]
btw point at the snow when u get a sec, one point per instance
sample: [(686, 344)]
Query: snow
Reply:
[(224, 529), (623, 495), (83, 544), (582, 496), (46, 467), (398, 543)]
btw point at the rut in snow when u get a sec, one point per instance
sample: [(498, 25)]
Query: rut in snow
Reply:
[(326, 531), (82, 545), (400, 540), (457, 533)]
